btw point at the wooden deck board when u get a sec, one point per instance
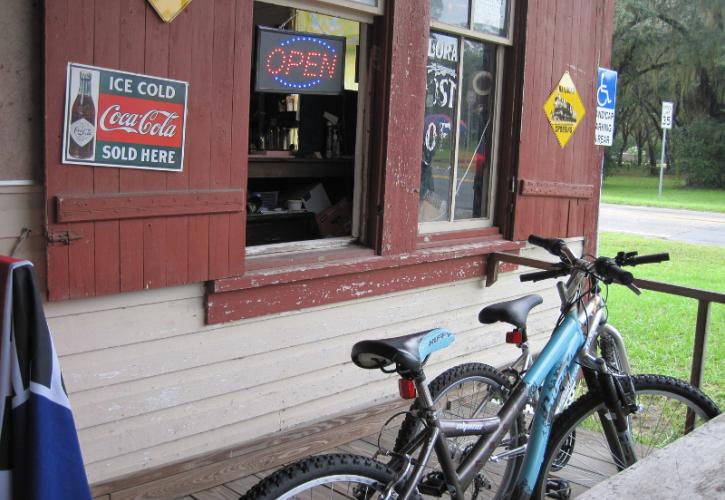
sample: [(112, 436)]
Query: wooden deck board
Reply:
[(237, 470)]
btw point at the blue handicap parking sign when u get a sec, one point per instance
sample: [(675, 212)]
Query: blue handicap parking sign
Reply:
[(606, 88)]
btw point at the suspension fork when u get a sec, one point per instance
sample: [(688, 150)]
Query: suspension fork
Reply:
[(613, 417)]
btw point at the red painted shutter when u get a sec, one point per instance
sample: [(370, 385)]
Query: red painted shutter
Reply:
[(558, 188), (112, 230)]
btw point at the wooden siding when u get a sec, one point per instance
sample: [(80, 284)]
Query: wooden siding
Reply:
[(150, 384), (22, 209), (208, 45), (284, 288), (575, 37)]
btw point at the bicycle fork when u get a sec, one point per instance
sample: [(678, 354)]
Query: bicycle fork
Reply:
[(615, 416)]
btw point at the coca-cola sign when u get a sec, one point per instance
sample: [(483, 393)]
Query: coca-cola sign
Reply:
[(119, 119)]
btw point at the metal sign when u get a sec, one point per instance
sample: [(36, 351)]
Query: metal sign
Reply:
[(119, 119), (299, 63), (564, 109), (667, 110), (169, 9), (606, 102)]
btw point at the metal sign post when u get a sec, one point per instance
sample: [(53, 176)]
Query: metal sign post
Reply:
[(666, 124)]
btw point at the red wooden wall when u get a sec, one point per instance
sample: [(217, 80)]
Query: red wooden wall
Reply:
[(176, 227), (558, 188)]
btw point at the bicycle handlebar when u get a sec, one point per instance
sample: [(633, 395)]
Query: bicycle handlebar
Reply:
[(551, 245), (543, 275), (607, 269), (646, 259)]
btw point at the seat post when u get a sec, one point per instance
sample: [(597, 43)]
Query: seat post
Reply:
[(421, 385)]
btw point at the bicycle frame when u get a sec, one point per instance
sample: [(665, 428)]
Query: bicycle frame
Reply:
[(568, 347)]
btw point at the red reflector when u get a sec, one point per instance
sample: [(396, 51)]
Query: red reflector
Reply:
[(407, 388), (514, 337)]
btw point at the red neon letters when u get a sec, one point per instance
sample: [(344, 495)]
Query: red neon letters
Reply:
[(300, 64)]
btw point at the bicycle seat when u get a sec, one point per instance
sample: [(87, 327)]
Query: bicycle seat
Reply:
[(513, 312), (407, 352)]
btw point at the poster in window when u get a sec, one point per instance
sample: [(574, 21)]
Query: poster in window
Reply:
[(491, 16), (439, 130)]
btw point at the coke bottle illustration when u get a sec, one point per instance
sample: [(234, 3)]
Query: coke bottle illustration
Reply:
[(82, 132)]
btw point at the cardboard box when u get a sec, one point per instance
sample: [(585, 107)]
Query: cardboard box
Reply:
[(335, 220), (314, 198)]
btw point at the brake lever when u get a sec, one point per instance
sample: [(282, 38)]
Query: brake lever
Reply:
[(634, 288)]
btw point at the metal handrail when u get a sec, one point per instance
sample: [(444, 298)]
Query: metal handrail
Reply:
[(704, 298)]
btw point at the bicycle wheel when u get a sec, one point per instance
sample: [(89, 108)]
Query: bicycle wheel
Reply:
[(324, 476), (663, 403), (472, 390)]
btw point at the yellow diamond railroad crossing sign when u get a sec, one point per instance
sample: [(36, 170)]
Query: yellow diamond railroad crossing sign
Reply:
[(564, 109), (169, 9)]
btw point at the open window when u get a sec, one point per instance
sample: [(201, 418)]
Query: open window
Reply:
[(305, 132), (463, 89)]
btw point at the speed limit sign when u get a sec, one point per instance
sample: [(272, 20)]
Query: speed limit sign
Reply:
[(667, 108)]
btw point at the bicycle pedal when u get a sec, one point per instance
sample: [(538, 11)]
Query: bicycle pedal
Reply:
[(433, 484), (558, 488)]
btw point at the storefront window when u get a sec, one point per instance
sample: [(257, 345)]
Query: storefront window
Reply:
[(460, 114), (303, 127), (453, 12)]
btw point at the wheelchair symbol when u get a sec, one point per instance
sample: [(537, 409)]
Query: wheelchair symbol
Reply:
[(603, 93)]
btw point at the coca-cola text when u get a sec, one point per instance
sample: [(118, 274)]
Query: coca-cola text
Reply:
[(153, 122)]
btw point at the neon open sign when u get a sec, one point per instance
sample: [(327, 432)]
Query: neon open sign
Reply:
[(300, 63)]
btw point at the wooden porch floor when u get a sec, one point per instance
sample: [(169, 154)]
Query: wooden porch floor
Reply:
[(227, 474), (233, 489), (368, 445)]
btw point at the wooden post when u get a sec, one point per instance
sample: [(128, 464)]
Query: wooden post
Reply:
[(698, 353)]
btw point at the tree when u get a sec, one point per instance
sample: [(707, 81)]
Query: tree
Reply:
[(670, 50)]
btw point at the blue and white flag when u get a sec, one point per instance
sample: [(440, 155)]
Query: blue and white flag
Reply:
[(40, 457)]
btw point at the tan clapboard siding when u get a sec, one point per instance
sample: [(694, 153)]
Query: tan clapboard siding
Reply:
[(239, 432), (169, 388), (99, 406), (208, 346), (142, 323), (21, 207)]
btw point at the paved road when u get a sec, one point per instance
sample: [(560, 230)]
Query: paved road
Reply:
[(669, 224)]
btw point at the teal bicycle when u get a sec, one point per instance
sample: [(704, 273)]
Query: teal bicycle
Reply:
[(618, 420)]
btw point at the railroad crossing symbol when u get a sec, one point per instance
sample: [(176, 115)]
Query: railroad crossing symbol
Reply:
[(564, 109)]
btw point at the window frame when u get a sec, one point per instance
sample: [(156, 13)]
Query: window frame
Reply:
[(349, 9), (500, 43)]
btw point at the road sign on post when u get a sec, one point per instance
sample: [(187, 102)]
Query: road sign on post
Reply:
[(606, 101), (666, 124)]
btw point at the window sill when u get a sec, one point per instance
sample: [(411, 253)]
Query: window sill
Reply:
[(284, 283)]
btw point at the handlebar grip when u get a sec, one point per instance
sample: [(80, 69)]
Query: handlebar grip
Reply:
[(607, 268), (552, 245), (543, 275), (648, 259)]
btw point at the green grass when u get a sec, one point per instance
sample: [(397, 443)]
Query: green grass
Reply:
[(659, 328), (637, 190)]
